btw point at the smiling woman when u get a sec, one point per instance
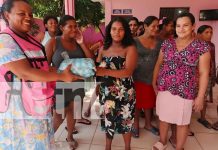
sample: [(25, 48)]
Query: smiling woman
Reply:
[(25, 119), (20, 17), (69, 44), (116, 94), (175, 80)]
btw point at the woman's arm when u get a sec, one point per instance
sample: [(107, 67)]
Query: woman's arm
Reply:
[(156, 70), (100, 54), (130, 65), (95, 47), (50, 49), (80, 41), (87, 52), (23, 70), (213, 66), (204, 69)]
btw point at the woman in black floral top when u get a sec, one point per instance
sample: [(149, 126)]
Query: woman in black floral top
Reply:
[(117, 95)]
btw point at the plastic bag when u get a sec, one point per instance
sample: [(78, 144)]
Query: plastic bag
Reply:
[(84, 67)]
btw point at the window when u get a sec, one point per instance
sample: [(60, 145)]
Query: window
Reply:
[(126, 17), (172, 12)]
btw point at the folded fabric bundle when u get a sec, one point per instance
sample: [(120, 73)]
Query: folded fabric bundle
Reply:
[(84, 67)]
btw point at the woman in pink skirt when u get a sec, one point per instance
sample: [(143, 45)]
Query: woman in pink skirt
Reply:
[(175, 80)]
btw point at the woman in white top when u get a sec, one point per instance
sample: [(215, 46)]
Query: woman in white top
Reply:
[(50, 23)]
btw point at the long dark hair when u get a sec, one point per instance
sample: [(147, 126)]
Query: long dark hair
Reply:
[(7, 6), (202, 28), (47, 18), (63, 22), (127, 39), (165, 22), (187, 14), (134, 19), (148, 20)]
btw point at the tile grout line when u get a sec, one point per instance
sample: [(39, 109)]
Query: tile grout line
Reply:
[(93, 136), (198, 143)]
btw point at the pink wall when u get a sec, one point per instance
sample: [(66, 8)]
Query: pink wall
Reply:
[(143, 8), (92, 34), (69, 7), (40, 23)]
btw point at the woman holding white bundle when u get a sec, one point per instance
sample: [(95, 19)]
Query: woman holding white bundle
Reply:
[(71, 43)]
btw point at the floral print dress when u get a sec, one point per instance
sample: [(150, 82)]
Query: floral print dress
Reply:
[(18, 130), (117, 99)]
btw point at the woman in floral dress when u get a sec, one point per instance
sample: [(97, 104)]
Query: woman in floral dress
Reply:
[(21, 128), (117, 95)]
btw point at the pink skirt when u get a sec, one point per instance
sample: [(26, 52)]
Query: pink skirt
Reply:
[(173, 109)]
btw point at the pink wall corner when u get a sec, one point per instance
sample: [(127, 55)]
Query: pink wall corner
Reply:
[(92, 34), (144, 8), (108, 11), (40, 23)]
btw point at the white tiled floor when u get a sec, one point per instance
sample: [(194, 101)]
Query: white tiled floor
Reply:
[(92, 138)]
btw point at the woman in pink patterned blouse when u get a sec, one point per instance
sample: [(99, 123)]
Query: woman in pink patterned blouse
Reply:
[(175, 81)]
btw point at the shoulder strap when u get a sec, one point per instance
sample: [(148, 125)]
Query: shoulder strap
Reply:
[(18, 45)]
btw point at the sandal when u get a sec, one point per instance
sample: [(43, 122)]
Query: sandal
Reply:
[(215, 126), (153, 130), (159, 146), (73, 144), (172, 143), (75, 131), (205, 123), (84, 121), (190, 133), (135, 133)]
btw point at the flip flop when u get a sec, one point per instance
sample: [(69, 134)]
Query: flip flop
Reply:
[(84, 121), (171, 142), (154, 130), (205, 123), (135, 133), (159, 146), (73, 144), (191, 133)]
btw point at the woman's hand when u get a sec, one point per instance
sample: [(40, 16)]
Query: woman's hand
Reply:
[(67, 75), (52, 69), (155, 88), (79, 37), (198, 104)]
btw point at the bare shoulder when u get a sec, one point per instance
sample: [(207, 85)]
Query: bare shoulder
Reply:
[(52, 41), (131, 49), (101, 51), (50, 45)]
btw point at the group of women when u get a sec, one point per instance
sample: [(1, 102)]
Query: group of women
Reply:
[(143, 71)]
